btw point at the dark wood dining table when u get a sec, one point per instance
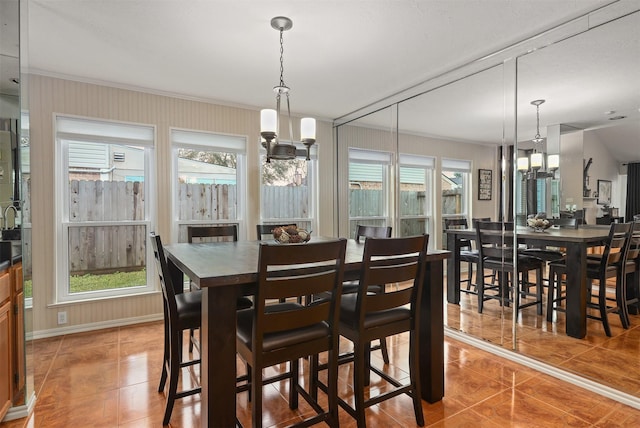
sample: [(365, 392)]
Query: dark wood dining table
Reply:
[(226, 270), (576, 242)]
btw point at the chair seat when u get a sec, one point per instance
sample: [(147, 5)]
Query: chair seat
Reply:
[(243, 303), (350, 287), (524, 263), (469, 256), (543, 254), (278, 340), (189, 308), (349, 316)]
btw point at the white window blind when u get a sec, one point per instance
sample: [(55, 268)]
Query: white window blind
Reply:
[(190, 139), (459, 165), (96, 131)]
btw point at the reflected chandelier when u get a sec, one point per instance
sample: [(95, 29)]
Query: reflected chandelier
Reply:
[(270, 119), (536, 159)]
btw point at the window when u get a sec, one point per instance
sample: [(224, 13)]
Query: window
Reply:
[(456, 178), (209, 183), (288, 190), (103, 207), (416, 181), (368, 188)]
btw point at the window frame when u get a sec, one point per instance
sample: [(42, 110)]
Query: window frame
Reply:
[(63, 139), (213, 142), (312, 179), (427, 164), (463, 166)]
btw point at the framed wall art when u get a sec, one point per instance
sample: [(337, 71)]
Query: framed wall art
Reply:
[(485, 184), (604, 192)]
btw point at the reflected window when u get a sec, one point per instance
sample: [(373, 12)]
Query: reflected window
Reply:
[(456, 178), (416, 182), (104, 199), (368, 188), (209, 171)]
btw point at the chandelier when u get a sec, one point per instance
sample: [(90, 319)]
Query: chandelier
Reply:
[(270, 119), (532, 167)]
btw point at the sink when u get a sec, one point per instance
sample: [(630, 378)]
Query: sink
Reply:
[(11, 234)]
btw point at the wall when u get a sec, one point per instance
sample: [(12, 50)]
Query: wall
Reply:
[(571, 169), (48, 96), (604, 167)]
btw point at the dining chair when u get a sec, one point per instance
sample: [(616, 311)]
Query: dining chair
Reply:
[(467, 253), (270, 334), (365, 317), (182, 311), (496, 252), (632, 272), (223, 233), (267, 229), (609, 265)]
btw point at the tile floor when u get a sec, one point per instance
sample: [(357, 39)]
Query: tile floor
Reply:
[(109, 378)]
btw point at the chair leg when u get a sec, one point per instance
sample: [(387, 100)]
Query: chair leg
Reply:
[(551, 290), (469, 275), (256, 394), (332, 387), (174, 372), (294, 370), (480, 288), (602, 304), (416, 393), (191, 338), (165, 358), (360, 369), (621, 299), (367, 363), (384, 350)]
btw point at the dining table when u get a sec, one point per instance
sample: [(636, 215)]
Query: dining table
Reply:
[(226, 270), (575, 241)]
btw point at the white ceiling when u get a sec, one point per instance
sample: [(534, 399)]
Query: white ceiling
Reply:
[(340, 55)]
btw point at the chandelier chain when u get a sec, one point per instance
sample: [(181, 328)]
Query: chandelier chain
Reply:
[(281, 59)]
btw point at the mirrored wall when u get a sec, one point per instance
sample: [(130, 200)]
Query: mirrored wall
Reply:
[(451, 130)]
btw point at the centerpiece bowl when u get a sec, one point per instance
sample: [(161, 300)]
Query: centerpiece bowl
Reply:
[(291, 235), (538, 224)]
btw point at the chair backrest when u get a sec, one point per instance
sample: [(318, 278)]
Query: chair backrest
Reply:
[(298, 270), (633, 251), (458, 223), (372, 232), (227, 232), (565, 222), (267, 229), (388, 261), (491, 241), (168, 292), (616, 246)]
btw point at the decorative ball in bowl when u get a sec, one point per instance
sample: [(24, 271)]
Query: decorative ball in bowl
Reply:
[(291, 235), (538, 224)]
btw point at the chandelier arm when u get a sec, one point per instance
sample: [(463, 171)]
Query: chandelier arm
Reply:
[(290, 122)]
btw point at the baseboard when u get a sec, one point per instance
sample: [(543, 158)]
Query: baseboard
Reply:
[(590, 385), (42, 334), (23, 411)]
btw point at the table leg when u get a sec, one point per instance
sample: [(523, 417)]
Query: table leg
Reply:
[(576, 323), (453, 269), (431, 330)]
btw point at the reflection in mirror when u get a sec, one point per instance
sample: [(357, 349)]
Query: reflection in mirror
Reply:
[(591, 118), (456, 130)]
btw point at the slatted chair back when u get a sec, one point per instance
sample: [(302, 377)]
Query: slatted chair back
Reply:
[(491, 241), (565, 222), (168, 292), (212, 233), (616, 246), (294, 271), (267, 229), (363, 231), (458, 223), (388, 261), (633, 250)]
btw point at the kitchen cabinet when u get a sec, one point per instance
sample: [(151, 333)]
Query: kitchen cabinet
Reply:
[(6, 343)]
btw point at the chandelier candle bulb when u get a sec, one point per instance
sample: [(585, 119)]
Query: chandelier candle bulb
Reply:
[(523, 163), (536, 160), (268, 120), (307, 128), (553, 161)]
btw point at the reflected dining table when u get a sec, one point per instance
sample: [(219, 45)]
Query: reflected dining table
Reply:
[(226, 270), (576, 242)]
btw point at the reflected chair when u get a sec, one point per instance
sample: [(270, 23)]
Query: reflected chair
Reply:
[(366, 316), (225, 233), (349, 287), (270, 334), (182, 311), (632, 272), (267, 229), (496, 252), (636, 217), (609, 265)]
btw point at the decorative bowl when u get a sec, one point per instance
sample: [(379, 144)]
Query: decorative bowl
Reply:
[(291, 235), (539, 224)]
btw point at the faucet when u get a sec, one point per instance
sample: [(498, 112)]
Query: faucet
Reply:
[(15, 215)]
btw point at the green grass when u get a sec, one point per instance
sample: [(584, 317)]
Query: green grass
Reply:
[(90, 282)]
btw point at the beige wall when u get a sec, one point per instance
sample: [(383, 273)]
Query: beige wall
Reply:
[(48, 96)]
